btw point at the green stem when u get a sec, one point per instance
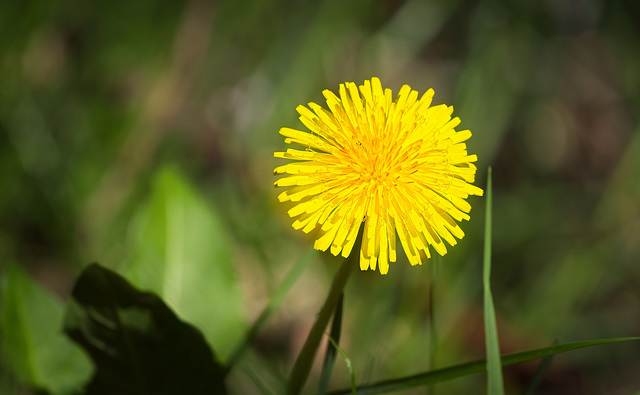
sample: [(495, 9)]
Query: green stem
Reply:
[(433, 334), (302, 366)]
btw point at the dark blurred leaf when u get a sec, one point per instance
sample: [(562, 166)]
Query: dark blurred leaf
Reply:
[(182, 252), (32, 343), (137, 343)]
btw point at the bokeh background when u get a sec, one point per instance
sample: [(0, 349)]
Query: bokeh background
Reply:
[(141, 135)]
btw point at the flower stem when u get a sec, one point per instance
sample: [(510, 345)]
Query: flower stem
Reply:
[(302, 366), (433, 333)]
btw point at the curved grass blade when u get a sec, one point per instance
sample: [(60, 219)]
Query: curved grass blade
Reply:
[(330, 356), (468, 368), (274, 303), (347, 361), (495, 384)]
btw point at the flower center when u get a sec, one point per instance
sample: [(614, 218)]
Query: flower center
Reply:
[(375, 169)]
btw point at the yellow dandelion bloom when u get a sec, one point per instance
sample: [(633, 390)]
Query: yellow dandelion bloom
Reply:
[(398, 166)]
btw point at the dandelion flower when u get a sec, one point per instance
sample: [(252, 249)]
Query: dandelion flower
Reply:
[(398, 166)]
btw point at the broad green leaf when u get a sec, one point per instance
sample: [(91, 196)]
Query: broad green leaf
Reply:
[(138, 345), (182, 252), (33, 345), (453, 372), (495, 385)]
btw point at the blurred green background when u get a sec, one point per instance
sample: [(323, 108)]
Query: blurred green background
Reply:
[(141, 135)]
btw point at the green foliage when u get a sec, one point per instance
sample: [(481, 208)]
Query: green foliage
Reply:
[(96, 96), (138, 345), (32, 343), (183, 253)]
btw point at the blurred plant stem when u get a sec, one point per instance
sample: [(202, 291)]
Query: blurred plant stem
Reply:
[(303, 363), (332, 348), (274, 302), (433, 334), (163, 103)]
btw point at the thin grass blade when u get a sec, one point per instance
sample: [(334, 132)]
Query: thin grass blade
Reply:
[(259, 383), (495, 384), (347, 361), (330, 355), (468, 368), (274, 302), (542, 369)]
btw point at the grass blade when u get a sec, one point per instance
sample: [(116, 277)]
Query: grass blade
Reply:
[(468, 368), (494, 367), (259, 383), (274, 302), (348, 363), (330, 356), (542, 369)]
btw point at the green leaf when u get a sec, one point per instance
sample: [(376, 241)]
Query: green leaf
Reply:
[(32, 343), (183, 253), (468, 368), (495, 385), (138, 345), (330, 355)]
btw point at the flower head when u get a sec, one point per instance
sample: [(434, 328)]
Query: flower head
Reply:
[(398, 166)]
